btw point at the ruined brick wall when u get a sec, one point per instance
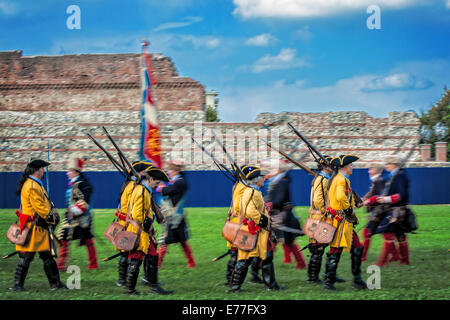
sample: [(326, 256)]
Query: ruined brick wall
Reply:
[(58, 99)]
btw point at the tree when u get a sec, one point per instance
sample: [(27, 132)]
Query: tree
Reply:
[(212, 114), (436, 123)]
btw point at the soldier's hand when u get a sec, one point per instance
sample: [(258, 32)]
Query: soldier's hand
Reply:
[(380, 199)]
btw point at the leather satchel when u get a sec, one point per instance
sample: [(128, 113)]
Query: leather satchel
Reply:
[(230, 230), (126, 240), (245, 241), (113, 229), (324, 232), (16, 236), (319, 229)]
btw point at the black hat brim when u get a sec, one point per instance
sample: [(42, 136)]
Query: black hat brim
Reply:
[(157, 174), (38, 163)]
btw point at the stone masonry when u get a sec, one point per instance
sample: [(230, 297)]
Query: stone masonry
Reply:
[(57, 99)]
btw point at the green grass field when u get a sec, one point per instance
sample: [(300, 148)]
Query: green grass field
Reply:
[(428, 277)]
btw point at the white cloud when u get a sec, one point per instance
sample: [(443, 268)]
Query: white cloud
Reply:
[(310, 8), (286, 59), (303, 34), (172, 25), (447, 4), (201, 41), (396, 81), (7, 8), (261, 40), (343, 95)]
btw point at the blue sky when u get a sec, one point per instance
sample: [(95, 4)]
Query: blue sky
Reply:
[(262, 55)]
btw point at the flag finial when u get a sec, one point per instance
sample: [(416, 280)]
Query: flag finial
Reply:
[(145, 42)]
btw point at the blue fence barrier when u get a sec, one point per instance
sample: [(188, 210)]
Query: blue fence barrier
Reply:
[(212, 189)]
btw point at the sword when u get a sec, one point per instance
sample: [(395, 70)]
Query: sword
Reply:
[(10, 255), (221, 256), (113, 256)]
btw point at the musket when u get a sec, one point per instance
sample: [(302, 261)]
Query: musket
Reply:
[(216, 162), (10, 255), (234, 166), (53, 249), (156, 209), (308, 144), (291, 159), (400, 166), (113, 256), (397, 150), (313, 150), (381, 208), (221, 256), (287, 229), (118, 166), (121, 154)]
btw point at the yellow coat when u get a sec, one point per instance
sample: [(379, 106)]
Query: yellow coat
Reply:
[(253, 207), (317, 200), (124, 199), (138, 207), (33, 199), (339, 195), (238, 190)]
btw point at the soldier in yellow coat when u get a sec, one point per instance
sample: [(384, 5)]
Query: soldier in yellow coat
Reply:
[(238, 190), (122, 212), (36, 215), (341, 206), (255, 220), (141, 218)]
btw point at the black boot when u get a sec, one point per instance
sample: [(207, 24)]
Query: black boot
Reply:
[(356, 256), (122, 267), (132, 275), (315, 262), (330, 270), (239, 274), (268, 273), (230, 267), (51, 270), (23, 265), (254, 270), (151, 274)]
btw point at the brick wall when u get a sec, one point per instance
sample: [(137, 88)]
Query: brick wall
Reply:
[(58, 99)]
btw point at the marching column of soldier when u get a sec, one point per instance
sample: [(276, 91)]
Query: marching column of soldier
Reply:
[(268, 219)]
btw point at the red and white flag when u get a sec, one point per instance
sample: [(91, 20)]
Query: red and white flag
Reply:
[(150, 137)]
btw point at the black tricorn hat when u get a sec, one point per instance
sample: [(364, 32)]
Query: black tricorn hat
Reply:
[(252, 172), (157, 173), (38, 163), (141, 165), (343, 160)]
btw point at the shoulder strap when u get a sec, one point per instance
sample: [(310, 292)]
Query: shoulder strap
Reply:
[(241, 214), (231, 204)]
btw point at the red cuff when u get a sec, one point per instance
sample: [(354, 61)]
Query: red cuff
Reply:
[(334, 213), (253, 228), (120, 215), (269, 206), (80, 207), (372, 200), (23, 220), (395, 198)]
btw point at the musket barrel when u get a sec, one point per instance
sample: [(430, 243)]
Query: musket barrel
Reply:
[(290, 158), (309, 144)]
